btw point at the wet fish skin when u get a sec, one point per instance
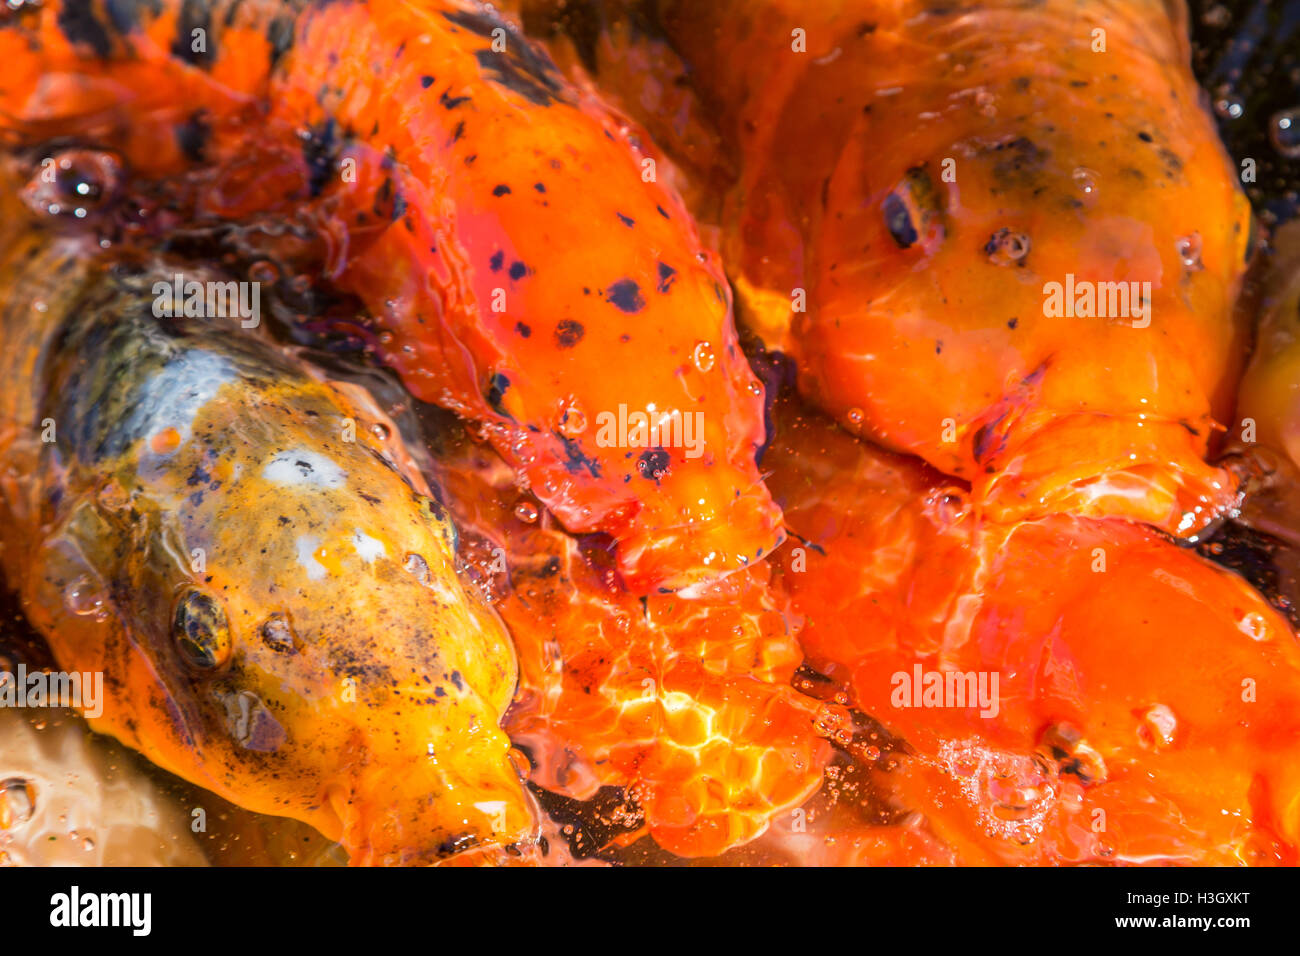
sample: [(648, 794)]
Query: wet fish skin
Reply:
[(504, 229), (275, 608)]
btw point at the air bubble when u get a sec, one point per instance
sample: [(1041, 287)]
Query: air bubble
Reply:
[(526, 511), (703, 356), (1228, 105), (1189, 251), (573, 422), (1253, 625), (1284, 132), (1159, 725), (1085, 179), (523, 451), (84, 598)]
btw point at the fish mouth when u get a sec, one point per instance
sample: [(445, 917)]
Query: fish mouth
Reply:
[(427, 815)]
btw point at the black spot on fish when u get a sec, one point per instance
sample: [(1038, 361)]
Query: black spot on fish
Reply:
[(540, 187), (1145, 137), (568, 333), (195, 15), (626, 220), (389, 204), (192, 135), (1171, 160), (528, 74), (985, 441), (518, 270), (77, 22), (663, 212), (501, 190), (280, 35), (1020, 162), (652, 464), (497, 389), (576, 460), (320, 151), (666, 276), (523, 329), (451, 102), (426, 82), (626, 296), (497, 261), (199, 475), (457, 133)]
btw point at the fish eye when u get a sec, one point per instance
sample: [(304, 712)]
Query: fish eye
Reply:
[(201, 631)]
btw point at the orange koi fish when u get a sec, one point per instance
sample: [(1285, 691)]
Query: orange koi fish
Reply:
[(1003, 237), (1071, 689), (521, 262)]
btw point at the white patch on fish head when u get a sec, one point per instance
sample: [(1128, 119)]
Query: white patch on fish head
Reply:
[(307, 547), (368, 548), (301, 466)]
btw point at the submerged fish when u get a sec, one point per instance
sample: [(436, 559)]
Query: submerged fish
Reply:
[(264, 583)]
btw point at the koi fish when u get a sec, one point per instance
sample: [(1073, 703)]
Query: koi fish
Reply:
[(1268, 406), (1144, 704), (1002, 237), (522, 262), (265, 585)]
